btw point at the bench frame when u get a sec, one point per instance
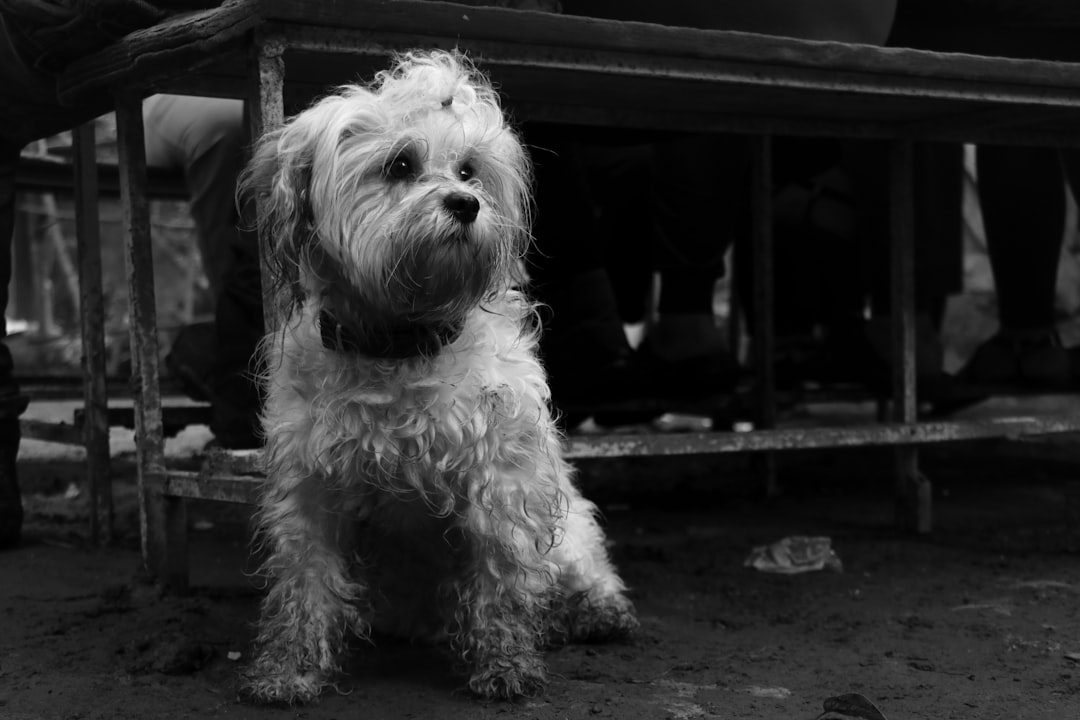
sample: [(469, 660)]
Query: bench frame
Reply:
[(747, 83), (87, 180)]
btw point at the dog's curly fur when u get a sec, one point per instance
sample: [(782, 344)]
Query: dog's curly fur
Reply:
[(417, 489)]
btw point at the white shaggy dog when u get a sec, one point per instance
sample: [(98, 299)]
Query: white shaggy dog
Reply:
[(415, 481)]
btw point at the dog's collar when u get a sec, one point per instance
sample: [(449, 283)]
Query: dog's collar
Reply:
[(395, 342)]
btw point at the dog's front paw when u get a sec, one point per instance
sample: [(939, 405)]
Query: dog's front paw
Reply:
[(505, 678), (272, 679), (585, 619)]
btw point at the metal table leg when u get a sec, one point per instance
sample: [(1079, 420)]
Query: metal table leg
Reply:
[(764, 302), (913, 491)]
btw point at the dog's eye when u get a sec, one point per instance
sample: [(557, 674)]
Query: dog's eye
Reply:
[(400, 168), (466, 171)]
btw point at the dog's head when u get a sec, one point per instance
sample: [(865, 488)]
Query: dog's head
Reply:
[(401, 203)]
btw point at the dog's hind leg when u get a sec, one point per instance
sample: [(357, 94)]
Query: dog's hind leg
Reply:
[(310, 607)]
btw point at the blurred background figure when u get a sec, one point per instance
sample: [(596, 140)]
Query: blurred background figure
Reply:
[(1022, 189), (614, 207), (208, 139)]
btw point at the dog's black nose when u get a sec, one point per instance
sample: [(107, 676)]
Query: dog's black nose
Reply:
[(462, 206)]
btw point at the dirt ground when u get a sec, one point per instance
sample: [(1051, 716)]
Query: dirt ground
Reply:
[(981, 619)]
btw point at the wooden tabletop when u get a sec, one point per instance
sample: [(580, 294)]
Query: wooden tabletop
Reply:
[(609, 73)]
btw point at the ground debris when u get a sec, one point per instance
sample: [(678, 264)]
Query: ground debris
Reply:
[(851, 705), (795, 554)]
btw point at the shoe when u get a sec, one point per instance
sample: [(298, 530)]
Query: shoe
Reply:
[(714, 373), (638, 386), (858, 353), (191, 359), (696, 386), (195, 360), (240, 437), (580, 386), (235, 420), (940, 394), (1033, 360)]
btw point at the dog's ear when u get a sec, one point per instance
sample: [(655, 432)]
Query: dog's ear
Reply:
[(278, 181), (513, 186), (291, 169)]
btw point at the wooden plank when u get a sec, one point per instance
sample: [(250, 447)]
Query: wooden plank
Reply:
[(267, 111), (539, 65), (177, 46), (695, 107), (173, 419), (237, 463), (593, 66), (220, 461), (38, 175), (661, 43), (221, 488), (95, 425), (162, 519), (887, 434), (48, 431)]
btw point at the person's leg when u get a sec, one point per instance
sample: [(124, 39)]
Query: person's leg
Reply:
[(12, 404), (849, 228), (697, 185), (616, 173), (818, 271), (1024, 246), (1070, 163), (1021, 189), (937, 245), (207, 138), (1022, 194), (584, 345), (235, 394)]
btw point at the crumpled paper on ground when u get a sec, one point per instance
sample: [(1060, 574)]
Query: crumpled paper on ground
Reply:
[(795, 554)]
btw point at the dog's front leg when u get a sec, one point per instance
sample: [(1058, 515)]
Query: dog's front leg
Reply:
[(503, 596), (310, 607)]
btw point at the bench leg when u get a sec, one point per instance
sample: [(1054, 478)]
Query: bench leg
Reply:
[(764, 346), (266, 107), (163, 522), (913, 491), (95, 426)]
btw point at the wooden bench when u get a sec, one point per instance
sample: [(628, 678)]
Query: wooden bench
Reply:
[(584, 71), (87, 181)]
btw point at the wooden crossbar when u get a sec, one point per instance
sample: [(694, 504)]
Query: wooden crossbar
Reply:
[(52, 176)]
